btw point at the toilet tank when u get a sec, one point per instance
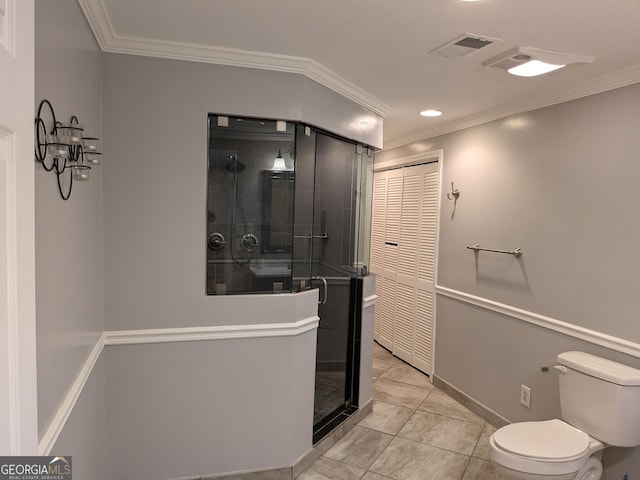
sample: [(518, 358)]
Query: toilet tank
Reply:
[(601, 398)]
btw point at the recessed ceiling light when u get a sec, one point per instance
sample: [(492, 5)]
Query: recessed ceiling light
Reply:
[(431, 113)]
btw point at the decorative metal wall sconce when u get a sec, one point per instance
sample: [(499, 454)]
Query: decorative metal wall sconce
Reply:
[(455, 193), (62, 147)]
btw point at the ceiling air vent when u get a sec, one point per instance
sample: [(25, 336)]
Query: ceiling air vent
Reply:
[(464, 45)]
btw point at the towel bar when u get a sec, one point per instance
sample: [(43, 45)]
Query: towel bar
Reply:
[(516, 252)]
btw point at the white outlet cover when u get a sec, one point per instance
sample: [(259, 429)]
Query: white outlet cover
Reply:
[(525, 396)]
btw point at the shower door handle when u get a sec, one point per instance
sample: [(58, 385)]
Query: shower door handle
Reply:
[(325, 290)]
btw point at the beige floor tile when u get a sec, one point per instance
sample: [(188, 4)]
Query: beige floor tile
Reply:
[(386, 417), (404, 373), (360, 447), (401, 394), (327, 469), (407, 460), (482, 448), (434, 434), (442, 404), (378, 371), (443, 432), (381, 352), (383, 364), (373, 476), (479, 469)]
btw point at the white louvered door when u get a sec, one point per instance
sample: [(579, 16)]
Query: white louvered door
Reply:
[(425, 279), (403, 256), (387, 202)]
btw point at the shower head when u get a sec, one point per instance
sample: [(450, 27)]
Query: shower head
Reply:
[(234, 165)]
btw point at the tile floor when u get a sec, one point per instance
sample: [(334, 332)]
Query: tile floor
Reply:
[(415, 432)]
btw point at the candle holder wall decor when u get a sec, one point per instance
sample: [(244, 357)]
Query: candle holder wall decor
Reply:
[(62, 148)]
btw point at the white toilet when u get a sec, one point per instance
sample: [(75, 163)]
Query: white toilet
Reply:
[(600, 406)]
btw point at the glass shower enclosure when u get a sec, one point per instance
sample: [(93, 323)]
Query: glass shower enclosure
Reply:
[(288, 209)]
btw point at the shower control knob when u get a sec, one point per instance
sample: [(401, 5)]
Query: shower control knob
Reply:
[(216, 241), (249, 242)]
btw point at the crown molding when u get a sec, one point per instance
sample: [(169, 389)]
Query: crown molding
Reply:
[(96, 15), (601, 84), (109, 41)]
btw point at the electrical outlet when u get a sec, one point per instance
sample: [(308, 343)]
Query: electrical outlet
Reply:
[(525, 396)]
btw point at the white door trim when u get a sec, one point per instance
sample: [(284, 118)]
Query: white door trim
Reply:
[(417, 159), (18, 391)]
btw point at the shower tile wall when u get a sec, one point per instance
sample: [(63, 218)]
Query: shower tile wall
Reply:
[(256, 156)]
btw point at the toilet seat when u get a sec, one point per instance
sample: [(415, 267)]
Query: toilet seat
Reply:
[(550, 447), (550, 440)]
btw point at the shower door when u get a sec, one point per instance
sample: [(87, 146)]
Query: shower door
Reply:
[(325, 237), (285, 213)]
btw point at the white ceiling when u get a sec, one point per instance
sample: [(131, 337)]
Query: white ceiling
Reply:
[(376, 51)]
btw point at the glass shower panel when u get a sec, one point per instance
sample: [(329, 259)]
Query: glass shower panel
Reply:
[(364, 202), (332, 253), (303, 213), (249, 205)]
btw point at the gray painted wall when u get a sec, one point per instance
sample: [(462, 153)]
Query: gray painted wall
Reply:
[(84, 435), (366, 342), (155, 120), (69, 289), (214, 406), (561, 183), (201, 408)]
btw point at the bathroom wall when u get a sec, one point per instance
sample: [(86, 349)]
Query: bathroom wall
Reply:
[(199, 408), (219, 404), (155, 195), (83, 436), (561, 183), (69, 273)]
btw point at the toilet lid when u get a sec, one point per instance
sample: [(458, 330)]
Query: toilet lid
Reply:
[(551, 440)]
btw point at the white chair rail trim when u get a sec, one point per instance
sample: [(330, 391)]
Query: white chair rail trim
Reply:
[(223, 332), (591, 336), (51, 434), (161, 335), (369, 301)]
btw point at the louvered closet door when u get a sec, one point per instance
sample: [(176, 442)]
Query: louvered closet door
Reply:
[(385, 233), (425, 280), (407, 200), (408, 250)]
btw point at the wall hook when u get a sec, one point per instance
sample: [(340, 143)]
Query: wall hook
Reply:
[(455, 193)]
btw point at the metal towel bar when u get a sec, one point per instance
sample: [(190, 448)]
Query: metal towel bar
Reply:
[(309, 236), (516, 252)]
